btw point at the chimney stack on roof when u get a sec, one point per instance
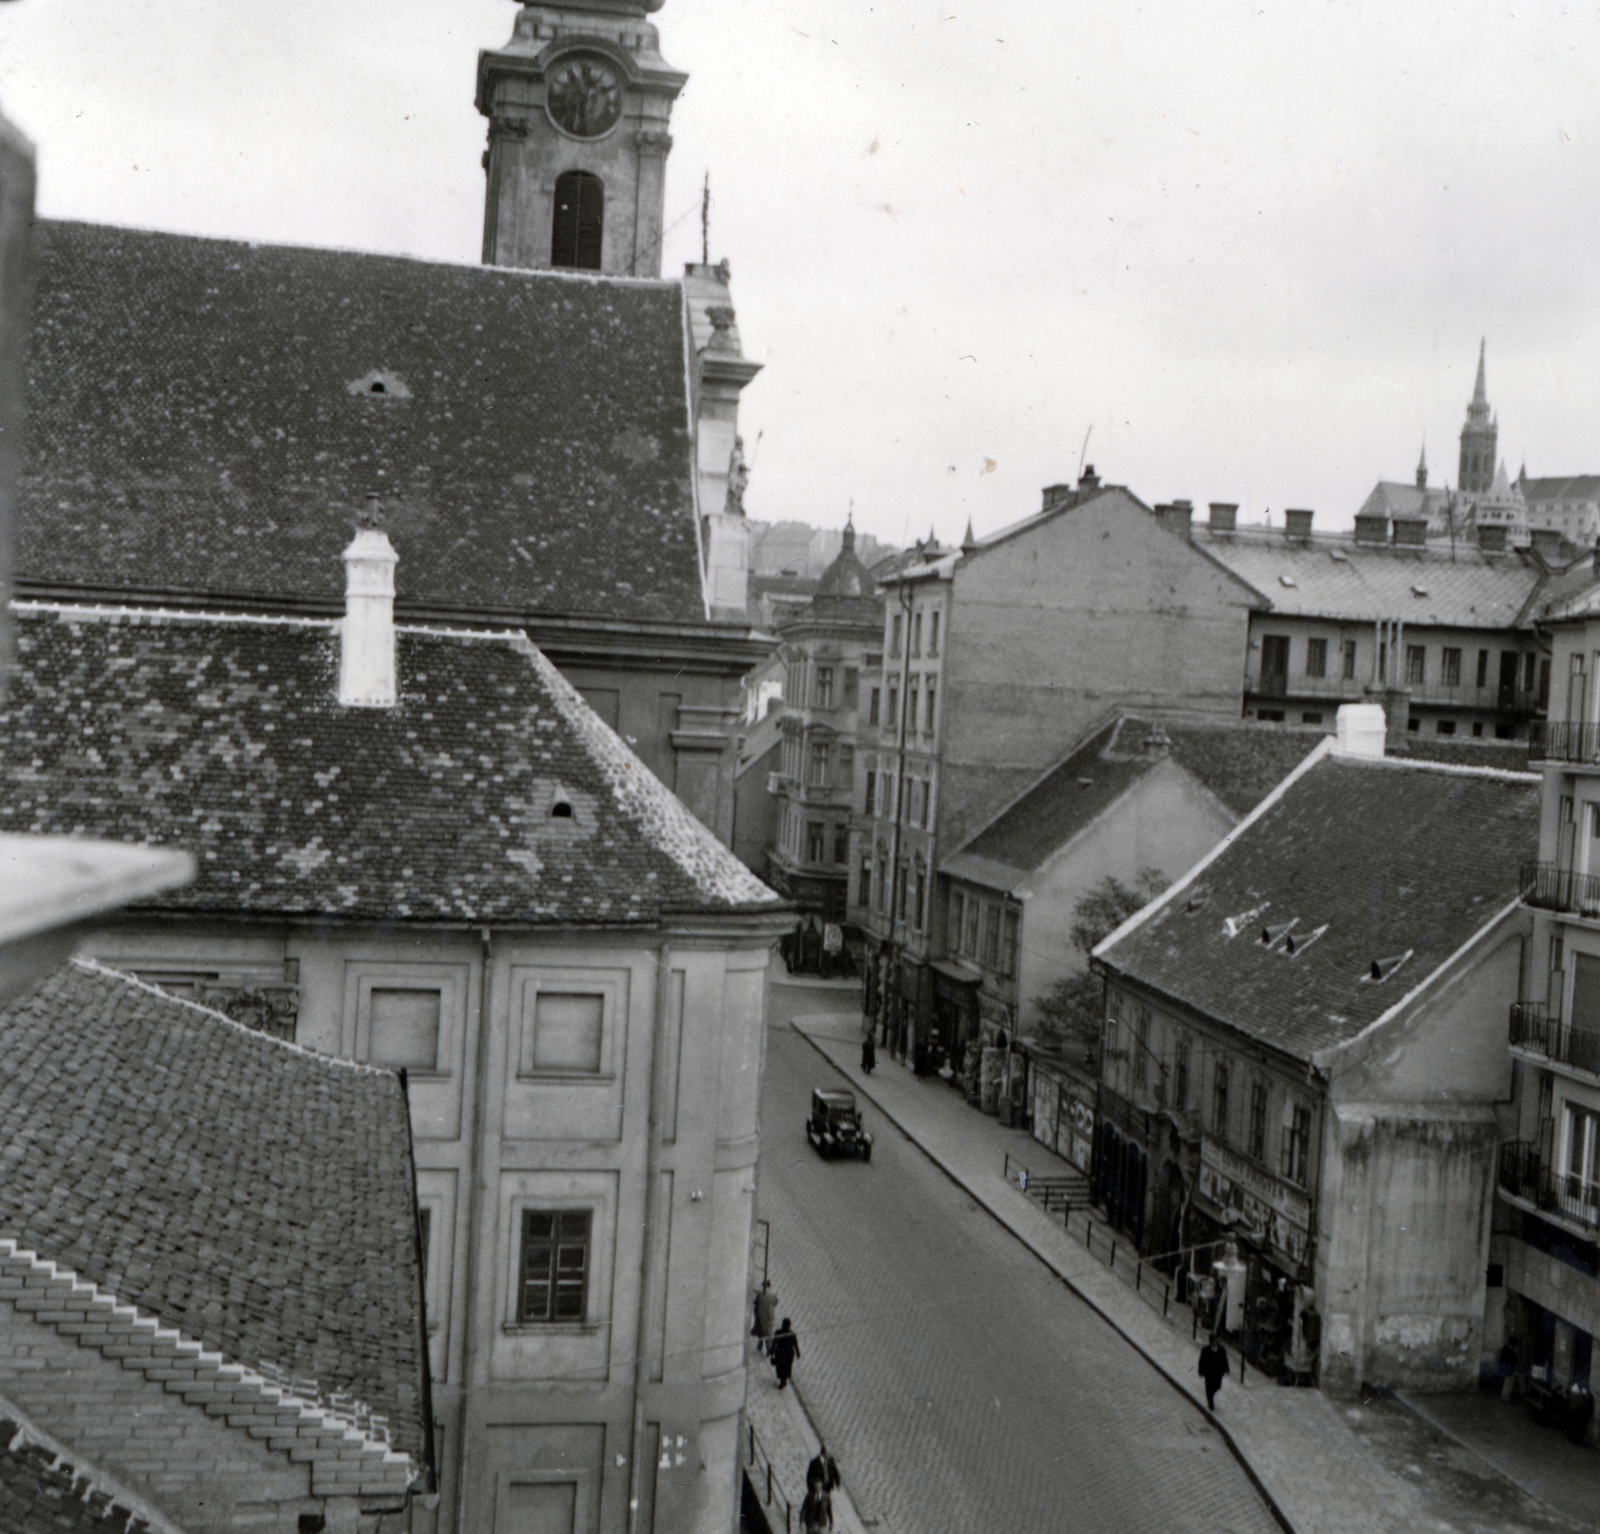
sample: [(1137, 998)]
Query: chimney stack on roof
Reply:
[(1412, 532), (1224, 516), (1088, 479), (1359, 729), (1057, 495), (1492, 538), (1297, 524), (1372, 528), (1546, 541), (1176, 517), (366, 636)]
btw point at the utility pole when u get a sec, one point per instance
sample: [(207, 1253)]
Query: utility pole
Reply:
[(705, 222)]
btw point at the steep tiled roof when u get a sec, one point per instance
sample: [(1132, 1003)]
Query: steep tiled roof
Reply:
[(1240, 764), (1386, 858), (1340, 578), (201, 420), (251, 1194), (225, 737), (1572, 487), (1392, 498), (40, 1493)]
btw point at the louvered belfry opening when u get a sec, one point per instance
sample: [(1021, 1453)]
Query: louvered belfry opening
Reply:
[(579, 221)]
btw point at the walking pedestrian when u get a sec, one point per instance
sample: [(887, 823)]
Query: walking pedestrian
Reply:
[(1213, 1369), (869, 1052), (766, 1310), (823, 1471), (783, 1350), (816, 1512)]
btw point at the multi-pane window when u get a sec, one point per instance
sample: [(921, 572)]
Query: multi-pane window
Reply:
[(1258, 1120), (893, 720), (974, 912), (991, 936), (1483, 668), (900, 893), (911, 707), (1451, 665), (1008, 945), (1296, 1142), (1416, 664), (933, 633), (927, 801), (553, 1275), (819, 763), (1219, 1100), (1581, 1162), (864, 894), (824, 686), (927, 722), (873, 705), (852, 686), (1317, 657), (1349, 648), (814, 841), (871, 801), (841, 845), (922, 900), (916, 634), (894, 634), (883, 886)]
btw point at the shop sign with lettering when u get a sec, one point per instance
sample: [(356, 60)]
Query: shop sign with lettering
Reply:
[(1271, 1207)]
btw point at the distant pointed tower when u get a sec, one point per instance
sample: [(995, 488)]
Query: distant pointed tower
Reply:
[(578, 104), (1422, 468), (1479, 438)]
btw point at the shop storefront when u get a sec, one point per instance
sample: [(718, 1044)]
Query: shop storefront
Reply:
[(954, 1025), (1064, 1110)]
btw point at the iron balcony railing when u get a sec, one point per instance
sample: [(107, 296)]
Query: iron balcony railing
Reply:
[(1561, 741), (1525, 1174), (1534, 1029), (1549, 887)]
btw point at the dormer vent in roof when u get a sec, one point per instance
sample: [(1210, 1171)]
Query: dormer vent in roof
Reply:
[(1293, 945), (1232, 926), (1156, 741), (1297, 523), (1411, 532), (1418, 589), (1492, 539), (1359, 730), (1273, 935), (1196, 901), (366, 635), (1287, 580), (1382, 968), (380, 384)]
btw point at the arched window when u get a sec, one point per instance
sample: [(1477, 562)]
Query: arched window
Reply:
[(579, 221)]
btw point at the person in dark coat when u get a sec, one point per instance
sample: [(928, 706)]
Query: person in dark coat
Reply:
[(869, 1053), (1213, 1369), (816, 1512), (783, 1350), (823, 1471), (811, 948), (766, 1311)]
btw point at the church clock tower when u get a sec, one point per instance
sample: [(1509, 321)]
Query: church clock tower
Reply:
[(578, 104), (1479, 437)]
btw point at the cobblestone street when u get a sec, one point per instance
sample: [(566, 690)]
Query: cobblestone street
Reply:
[(960, 1384)]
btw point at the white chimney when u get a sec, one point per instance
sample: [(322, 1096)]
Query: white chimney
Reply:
[(1360, 729), (366, 648)]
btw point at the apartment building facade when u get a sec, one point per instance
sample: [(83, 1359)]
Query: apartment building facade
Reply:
[(1545, 1251)]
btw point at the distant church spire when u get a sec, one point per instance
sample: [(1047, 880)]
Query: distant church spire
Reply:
[(1422, 467), (1479, 438)]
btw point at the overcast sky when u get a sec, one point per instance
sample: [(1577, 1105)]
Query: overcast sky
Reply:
[(1248, 248)]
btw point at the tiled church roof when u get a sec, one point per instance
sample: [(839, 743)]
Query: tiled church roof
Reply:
[(251, 1194), (225, 737), (201, 420)]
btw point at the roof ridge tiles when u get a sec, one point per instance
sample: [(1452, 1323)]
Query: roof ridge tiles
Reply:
[(1455, 769), (396, 1469), (355, 1067)]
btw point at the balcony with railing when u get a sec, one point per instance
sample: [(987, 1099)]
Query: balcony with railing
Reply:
[(1491, 698), (1527, 1177), (1549, 887), (1559, 740), (1535, 1031)]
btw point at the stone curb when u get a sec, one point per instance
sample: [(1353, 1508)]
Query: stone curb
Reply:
[(981, 1197)]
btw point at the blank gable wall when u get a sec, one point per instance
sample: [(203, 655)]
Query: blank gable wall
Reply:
[(1097, 609)]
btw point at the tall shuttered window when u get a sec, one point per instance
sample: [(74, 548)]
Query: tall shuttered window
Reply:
[(579, 224)]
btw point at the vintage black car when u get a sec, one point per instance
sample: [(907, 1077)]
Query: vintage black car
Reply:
[(835, 1127)]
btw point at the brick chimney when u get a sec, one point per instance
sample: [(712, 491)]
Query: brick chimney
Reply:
[(1297, 524), (1177, 517), (1372, 529), (1411, 532), (1492, 539), (1546, 541), (1056, 496), (1359, 729), (1224, 516), (1088, 479), (366, 636)]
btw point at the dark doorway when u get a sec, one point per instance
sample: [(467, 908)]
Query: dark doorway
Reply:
[(579, 221), (1275, 665), (1508, 678)]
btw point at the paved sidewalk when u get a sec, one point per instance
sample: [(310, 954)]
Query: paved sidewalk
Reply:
[(787, 1438), (1323, 1465)]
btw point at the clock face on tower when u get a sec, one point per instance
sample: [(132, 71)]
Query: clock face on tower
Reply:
[(584, 96)]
